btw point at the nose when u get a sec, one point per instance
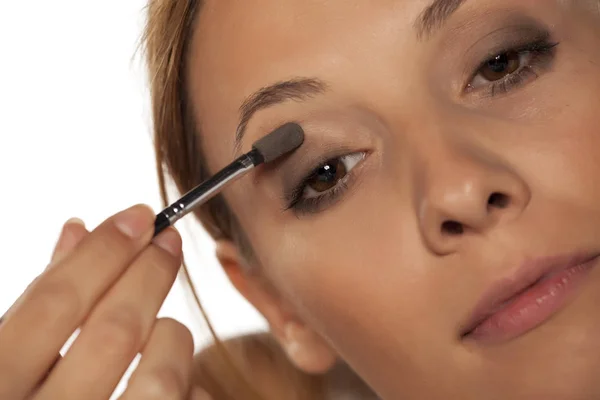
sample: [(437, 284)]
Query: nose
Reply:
[(465, 196)]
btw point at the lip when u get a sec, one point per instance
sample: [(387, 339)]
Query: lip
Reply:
[(527, 298)]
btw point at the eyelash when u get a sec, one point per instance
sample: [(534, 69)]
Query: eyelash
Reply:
[(541, 54), (311, 205)]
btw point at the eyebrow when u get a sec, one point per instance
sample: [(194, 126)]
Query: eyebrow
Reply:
[(299, 89), (434, 16)]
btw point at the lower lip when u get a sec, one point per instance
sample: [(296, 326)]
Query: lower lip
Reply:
[(532, 307)]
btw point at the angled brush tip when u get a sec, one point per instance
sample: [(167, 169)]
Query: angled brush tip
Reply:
[(281, 141)]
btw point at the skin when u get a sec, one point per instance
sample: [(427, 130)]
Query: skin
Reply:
[(111, 283), (374, 280)]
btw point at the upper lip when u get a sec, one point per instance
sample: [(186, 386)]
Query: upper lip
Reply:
[(528, 274)]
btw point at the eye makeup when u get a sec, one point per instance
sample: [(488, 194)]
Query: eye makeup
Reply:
[(325, 184), (338, 142), (518, 57), (514, 41)]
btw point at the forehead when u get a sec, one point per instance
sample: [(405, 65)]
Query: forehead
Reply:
[(240, 46)]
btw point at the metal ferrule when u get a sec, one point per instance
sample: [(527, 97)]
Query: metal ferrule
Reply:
[(210, 188)]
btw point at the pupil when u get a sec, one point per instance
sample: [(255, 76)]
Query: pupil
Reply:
[(327, 173), (500, 63)]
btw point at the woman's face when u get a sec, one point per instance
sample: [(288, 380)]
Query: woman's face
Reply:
[(451, 158)]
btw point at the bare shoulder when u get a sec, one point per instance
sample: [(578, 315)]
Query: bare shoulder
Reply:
[(230, 370)]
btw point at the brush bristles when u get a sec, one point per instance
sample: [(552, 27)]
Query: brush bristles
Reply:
[(281, 141)]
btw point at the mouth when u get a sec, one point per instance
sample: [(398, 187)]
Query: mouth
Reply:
[(515, 305)]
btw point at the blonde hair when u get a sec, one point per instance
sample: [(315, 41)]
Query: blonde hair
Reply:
[(168, 33)]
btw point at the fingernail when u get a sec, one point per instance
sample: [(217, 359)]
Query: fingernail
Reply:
[(64, 233), (135, 221), (75, 221), (200, 394), (65, 240), (170, 241)]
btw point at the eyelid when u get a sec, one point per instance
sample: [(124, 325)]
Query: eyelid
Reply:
[(518, 48), (512, 37), (541, 57)]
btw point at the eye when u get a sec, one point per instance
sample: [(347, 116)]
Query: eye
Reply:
[(512, 68), (326, 183), (329, 175)]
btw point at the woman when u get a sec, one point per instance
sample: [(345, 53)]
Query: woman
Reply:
[(436, 233)]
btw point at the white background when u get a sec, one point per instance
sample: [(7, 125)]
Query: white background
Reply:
[(76, 142)]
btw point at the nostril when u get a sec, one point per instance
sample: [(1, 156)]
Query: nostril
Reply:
[(498, 200), (452, 228)]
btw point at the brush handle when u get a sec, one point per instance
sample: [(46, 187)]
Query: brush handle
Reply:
[(206, 190)]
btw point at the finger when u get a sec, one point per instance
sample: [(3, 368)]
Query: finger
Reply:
[(57, 303), (119, 326), (165, 368), (72, 234), (41, 382), (199, 394)]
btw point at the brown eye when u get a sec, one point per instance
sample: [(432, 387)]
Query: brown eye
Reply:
[(327, 176), (500, 66)]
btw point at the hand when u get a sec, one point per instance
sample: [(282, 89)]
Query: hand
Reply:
[(110, 283)]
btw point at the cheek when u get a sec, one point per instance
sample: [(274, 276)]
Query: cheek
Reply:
[(362, 279), (566, 165), (575, 129)]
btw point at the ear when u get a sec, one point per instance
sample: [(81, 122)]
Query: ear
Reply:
[(304, 347)]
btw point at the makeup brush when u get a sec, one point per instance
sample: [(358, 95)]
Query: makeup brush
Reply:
[(281, 141)]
